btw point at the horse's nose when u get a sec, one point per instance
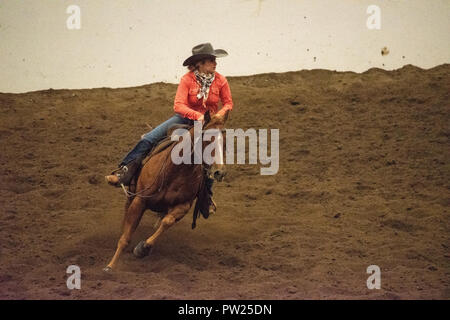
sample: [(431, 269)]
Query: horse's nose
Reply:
[(219, 175)]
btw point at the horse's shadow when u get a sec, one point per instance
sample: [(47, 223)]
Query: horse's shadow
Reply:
[(183, 247)]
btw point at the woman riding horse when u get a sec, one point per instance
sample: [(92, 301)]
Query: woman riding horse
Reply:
[(199, 91)]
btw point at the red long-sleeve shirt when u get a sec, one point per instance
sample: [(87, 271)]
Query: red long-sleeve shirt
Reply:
[(187, 105)]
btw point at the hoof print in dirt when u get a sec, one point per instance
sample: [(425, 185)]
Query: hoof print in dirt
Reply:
[(93, 179)]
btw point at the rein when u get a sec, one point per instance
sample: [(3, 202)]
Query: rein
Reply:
[(130, 194)]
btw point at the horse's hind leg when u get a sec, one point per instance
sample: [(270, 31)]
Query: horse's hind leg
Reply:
[(131, 220), (173, 215)]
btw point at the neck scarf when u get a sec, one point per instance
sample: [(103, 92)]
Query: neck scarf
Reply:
[(204, 80)]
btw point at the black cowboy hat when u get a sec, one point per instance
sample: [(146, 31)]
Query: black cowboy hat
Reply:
[(202, 51)]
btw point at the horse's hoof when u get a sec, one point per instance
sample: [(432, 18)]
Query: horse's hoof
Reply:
[(107, 269), (141, 250)]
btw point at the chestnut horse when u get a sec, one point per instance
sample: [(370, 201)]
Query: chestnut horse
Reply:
[(168, 189)]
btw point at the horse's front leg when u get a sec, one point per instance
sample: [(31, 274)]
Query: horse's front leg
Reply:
[(131, 220), (173, 215)]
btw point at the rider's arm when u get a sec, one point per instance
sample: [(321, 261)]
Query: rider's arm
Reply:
[(181, 105)]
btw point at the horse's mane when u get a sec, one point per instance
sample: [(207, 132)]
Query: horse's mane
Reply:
[(167, 142)]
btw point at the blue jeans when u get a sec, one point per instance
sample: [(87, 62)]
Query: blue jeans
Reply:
[(150, 139)]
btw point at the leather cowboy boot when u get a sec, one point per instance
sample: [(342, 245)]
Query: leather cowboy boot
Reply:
[(130, 165), (124, 174)]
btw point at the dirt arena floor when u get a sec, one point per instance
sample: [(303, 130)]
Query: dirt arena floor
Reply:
[(364, 179)]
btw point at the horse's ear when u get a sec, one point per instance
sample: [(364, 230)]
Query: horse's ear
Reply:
[(207, 117)]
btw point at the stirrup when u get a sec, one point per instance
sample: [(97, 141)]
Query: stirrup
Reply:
[(122, 171)]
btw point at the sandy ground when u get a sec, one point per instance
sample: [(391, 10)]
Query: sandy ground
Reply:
[(364, 180)]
